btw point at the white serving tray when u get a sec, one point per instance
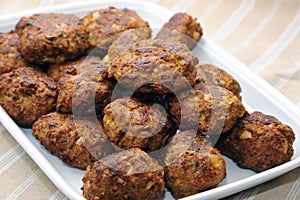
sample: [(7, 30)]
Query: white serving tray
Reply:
[(257, 95)]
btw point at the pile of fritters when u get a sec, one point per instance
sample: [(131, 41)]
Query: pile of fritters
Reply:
[(138, 113)]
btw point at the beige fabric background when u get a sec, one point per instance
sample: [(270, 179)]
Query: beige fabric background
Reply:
[(263, 34)]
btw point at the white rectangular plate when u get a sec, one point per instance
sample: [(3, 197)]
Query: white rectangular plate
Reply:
[(257, 95)]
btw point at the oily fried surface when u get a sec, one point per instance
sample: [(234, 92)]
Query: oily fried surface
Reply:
[(155, 66), (76, 141), (26, 94), (129, 123), (192, 164), (129, 174), (125, 40), (50, 37), (10, 58), (87, 92), (211, 109), (182, 28), (213, 75), (73, 67), (258, 142), (103, 26)]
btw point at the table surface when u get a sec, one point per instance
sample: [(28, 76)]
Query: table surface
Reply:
[(263, 34)]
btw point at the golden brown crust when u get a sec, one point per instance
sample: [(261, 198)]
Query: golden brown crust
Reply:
[(156, 65), (85, 93), (192, 165), (129, 174), (70, 67), (124, 41), (27, 94), (182, 28), (258, 142), (77, 66), (103, 26), (213, 108), (129, 123), (78, 142), (213, 75), (10, 58), (51, 37)]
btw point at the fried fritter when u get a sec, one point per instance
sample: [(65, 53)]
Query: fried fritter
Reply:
[(51, 37), (213, 108), (192, 164), (75, 67), (103, 26), (129, 123), (182, 28), (85, 93), (77, 142), (26, 94), (129, 174), (124, 41), (213, 75), (10, 58), (258, 142), (155, 66)]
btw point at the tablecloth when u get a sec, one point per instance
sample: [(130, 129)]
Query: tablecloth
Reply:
[(263, 34)]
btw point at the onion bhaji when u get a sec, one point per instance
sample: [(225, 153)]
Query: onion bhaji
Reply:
[(129, 123), (155, 66), (182, 28), (73, 67), (10, 57), (76, 67), (213, 108), (258, 142), (192, 164), (213, 75), (124, 41), (76, 141), (87, 92), (26, 94), (51, 37), (129, 174), (103, 26)]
